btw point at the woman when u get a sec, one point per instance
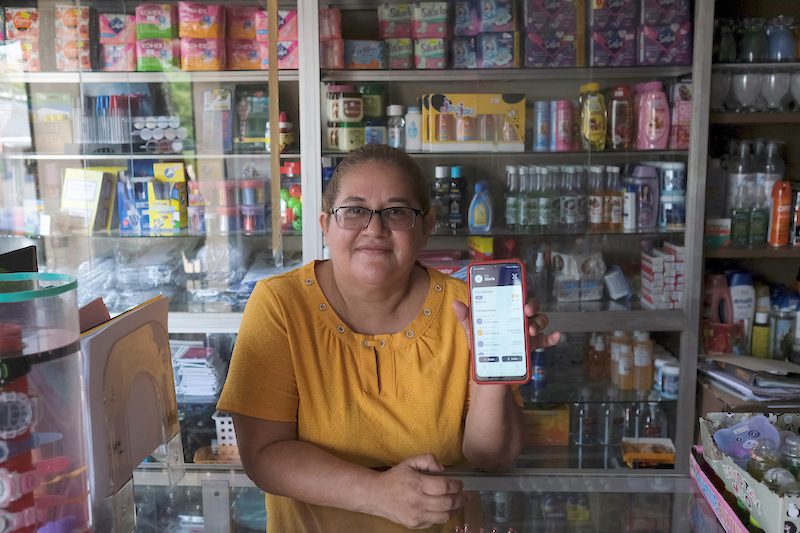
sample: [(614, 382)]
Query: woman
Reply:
[(345, 366)]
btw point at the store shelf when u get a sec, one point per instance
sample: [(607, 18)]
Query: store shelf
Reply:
[(786, 252), (790, 66), (546, 157), (756, 118), (537, 232), (478, 75), (564, 391), (245, 76), (115, 157), (204, 322), (611, 316)]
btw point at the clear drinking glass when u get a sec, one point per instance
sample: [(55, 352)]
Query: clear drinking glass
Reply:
[(794, 87), (720, 87), (754, 44), (727, 42), (774, 89), (746, 87)]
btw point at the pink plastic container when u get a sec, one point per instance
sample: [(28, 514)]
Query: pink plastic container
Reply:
[(654, 117)]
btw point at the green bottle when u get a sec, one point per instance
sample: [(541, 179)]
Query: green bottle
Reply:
[(759, 219), (740, 219)]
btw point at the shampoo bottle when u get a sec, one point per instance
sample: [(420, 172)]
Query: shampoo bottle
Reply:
[(480, 210)]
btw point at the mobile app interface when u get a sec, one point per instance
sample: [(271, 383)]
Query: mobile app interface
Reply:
[(498, 326)]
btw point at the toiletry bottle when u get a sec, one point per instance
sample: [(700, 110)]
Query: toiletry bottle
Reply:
[(743, 300), (654, 118), (759, 218), (740, 218), (780, 217), (593, 118), (480, 210), (413, 129)]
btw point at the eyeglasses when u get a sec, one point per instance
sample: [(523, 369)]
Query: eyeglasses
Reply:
[(392, 218)]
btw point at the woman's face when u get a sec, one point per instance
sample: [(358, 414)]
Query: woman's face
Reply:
[(375, 255)]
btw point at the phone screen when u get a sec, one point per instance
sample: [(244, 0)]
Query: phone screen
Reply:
[(497, 302)]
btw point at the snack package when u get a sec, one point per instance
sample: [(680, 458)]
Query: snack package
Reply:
[(22, 23), (429, 20), (466, 22), (116, 28), (156, 21), (72, 22), (156, 55), (201, 21), (242, 21), (463, 52), (287, 25), (554, 15), (243, 54), (394, 20), (400, 53), (330, 23), (118, 57), (364, 54), (613, 15), (288, 54), (668, 44), (498, 50), (430, 53), (23, 55), (656, 12), (202, 54), (497, 15), (331, 53), (72, 55), (612, 48), (554, 49)]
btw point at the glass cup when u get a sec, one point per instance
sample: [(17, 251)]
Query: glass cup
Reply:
[(720, 87), (781, 39), (794, 87), (774, 89), (754, 44), (746, 87), (727, 42)]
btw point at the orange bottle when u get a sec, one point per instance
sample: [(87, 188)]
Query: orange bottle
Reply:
[(781, 215)]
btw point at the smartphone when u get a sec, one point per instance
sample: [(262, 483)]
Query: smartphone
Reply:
[(499, 327)]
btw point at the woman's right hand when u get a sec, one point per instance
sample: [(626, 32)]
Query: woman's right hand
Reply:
[(405, 494)]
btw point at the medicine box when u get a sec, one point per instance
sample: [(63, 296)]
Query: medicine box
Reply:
[(88, 196)]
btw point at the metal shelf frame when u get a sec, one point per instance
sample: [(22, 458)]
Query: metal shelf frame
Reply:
[(177, 76)]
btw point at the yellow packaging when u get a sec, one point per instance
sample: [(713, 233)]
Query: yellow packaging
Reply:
[(480, 248), (473, 122), (89, 196), (547, 427), (167, 198)]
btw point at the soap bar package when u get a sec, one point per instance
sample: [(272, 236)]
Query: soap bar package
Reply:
[(118, 57), (466, 22), (201, 21), (22, 23), (430, 53), (364, 54), (463, 52), (72, 22), (156, 55), (331, 53), (429, 20), (497, 15), (668, 44), (394, 20), (613, 14), (613, 48), (498, 50), (554, 49), (116, 28), (156, 21), (73, 55), (554, 15), (400, 53), (656, 12)]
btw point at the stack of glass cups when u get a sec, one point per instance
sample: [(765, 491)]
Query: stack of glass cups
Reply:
[(44, 466)]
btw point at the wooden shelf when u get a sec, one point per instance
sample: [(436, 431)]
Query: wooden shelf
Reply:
[(787, 252), (784, 117)]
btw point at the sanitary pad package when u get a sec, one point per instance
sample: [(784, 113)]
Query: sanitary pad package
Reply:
[(666, 11), (400, 53), (613, 14), (201, 21), (331, 52), (118, 57), (364, 54), (498, 50), (429, 20), (243, 54), (466, 22), (668, 44), (612, 48), (72, 22), (156, 21), (241, 21), (73, 55), (394, 20), (155, 55), (430, 53), (554, 49), (497, 15), (463, 52), (554, 15), (330, 23), (116, 28), (22, 23)]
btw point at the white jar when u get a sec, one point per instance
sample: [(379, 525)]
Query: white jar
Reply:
[(413, 129)]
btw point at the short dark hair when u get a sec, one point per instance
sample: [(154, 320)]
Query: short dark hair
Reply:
[(379, 153)]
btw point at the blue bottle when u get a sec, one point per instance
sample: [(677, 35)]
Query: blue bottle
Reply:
[(480, 210)]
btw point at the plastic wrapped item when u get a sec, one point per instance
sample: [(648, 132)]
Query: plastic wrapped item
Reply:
[(555, 15), (202, 54), (330, 23), (617, 15), (463, 52), (394, 20), (497, 15), (115, 28), (466, 22), (156, 55), (669, 44), (242, 21), (201, 21), (430, 20), (613, 48), (430, 53), (548, 49), (22, 23), (400, 53), (73, 55), (118, 57), (617, 284), (72, 22), (498, 50), (364, 54), (156, 21), (331, 53)]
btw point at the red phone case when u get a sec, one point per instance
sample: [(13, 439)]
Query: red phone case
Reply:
[(527, 377)]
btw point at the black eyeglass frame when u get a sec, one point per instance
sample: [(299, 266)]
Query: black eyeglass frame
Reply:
[(379, 212)]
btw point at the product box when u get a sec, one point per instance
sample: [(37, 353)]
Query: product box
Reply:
[(72, 22), (656, 12), (241, 21), (429, 20), (118, 57), (497, 15), (202, 54), (498, 50), (22, 23), (430, 53), (288, 54), (466, 22), (400, 53), (463, 53), (330, 23), (669, 44), (680, 125), (243, 54), (612, 48), (559, 49), (480, 248), (555, 15), (287, 25), (156, 21), (441, 114), (132, 205), (201, 21), (613, 14), (156, 55), (547, 427), (331, 53), (718, 232), (215, 122), (73, 55), (167, 198), (774, 513), (116, 28), (394, 20), (22, 55), (88, 196), (51, 116), (364, 54)]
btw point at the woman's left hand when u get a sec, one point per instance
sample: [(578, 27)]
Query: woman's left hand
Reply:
[(537, 323)]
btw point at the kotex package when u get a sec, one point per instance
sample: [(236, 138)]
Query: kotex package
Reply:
[(156, 21), (360, 54), (463, 53), (656, 12), (72, 22), (331, 53), (72, 55), (614, 14), (430, 53), (497, 15), (116, 28), (287, 25), (22, 23), (430, 20), (202, 54), (400, 53), (466, 22), (243, 54), (330, 23), (288, 54), (241, 21), (612, 48), (118, 57), (201, 21), (394, 20), (156, 55), (666, 44), (554, 15)]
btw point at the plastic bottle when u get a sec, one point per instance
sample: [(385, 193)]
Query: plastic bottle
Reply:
[(771, 167), (781, 214), (764, 456), (526, 197), (395, 126), (512, 197), (582, 188), (612, 419), (534, 183), (653, 422), (790, 454), (540, 278), (554, 195), (441, 196), (795, 233), (543, 195), (480, 210), (584, 420), (593, 118), (614, 197), (458, 197), (413, 141), (569, 198), (620, 119), (759, 219), (740, 218), (743, 300), (654, 118), (465, 128), (642, 361), (629, 212), (618, 339), (597, 192), (740, 171), (625, 367), (759, 346)]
